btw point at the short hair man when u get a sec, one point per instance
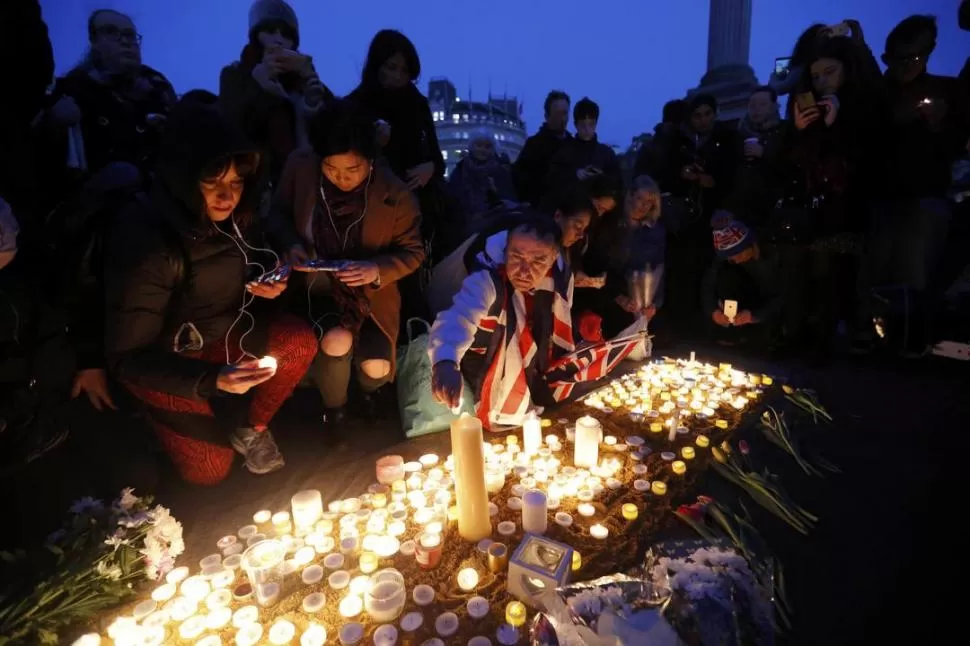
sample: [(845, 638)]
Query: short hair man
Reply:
[(533, 163), (583, 157)]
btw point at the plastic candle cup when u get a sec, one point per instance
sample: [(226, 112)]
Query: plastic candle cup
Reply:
[(179, 574), (531, 434), (467, 579), (304, 555), (164, 592), (687, 453), (428, 460), (599, 531), (586, 509), (351, 606), (262, 517), (721, 423), (307, 509), (386, 596), (506, 528), (629, 511), (423, 595), (678, 467), (249, 634), (181, 608), (218, 599), (218, 619), (367, 562), (245, 615), (314, 635), (263, 563), (702, 441), (195, 588), (515, 613), (281, 632), (446, 624), (192, 627), (656, 427), (577, 561), (312, 574), (658, 487), (390, 468), (281, 523)]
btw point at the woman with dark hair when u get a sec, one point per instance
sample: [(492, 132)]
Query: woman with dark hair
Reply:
[(273, 89), (186, 280), (335, 204), (388, 95), (110, 108), (833, 155)]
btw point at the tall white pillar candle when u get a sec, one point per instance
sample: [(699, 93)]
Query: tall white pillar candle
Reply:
[(531, 434), (675, 422), (588, 433), (534, 514), (474, 523)]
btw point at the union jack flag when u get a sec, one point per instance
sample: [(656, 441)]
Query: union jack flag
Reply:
[(589, 364)]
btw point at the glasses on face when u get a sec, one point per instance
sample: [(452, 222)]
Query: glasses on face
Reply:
[(116, 33)]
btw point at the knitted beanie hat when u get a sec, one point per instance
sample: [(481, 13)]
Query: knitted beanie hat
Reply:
[(731, 237), (269, 11)]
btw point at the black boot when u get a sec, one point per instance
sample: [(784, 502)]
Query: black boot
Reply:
[(334, 425)]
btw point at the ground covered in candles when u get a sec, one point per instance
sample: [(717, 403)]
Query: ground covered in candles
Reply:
[(868, 514)]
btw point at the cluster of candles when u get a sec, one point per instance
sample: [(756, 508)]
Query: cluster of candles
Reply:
[(662, 394)]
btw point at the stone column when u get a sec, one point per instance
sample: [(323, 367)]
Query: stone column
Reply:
[(728, 33)]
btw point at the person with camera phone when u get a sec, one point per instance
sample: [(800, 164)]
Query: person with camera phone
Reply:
[(188, 316), (273, 89)]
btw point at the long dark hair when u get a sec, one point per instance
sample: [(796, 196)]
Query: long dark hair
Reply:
[(387, 43), (856, 83)]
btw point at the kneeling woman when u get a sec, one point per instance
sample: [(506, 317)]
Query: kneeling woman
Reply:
[(335, 204), (184, 323)]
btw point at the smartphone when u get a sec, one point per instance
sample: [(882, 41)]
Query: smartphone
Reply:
[(277, 275), (805, 100), (782, 66), (840, 29), (730, 310), (324, 265)]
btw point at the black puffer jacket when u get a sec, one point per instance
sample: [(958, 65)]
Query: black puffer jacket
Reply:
[(171, 266)]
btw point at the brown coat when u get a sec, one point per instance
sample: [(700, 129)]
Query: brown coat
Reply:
[(390, 233)]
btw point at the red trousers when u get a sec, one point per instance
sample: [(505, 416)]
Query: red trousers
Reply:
[(293, 344)]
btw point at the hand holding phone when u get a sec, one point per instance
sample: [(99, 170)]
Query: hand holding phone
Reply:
[(782, 67)]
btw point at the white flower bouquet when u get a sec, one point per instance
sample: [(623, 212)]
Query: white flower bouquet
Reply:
[(89, 565)]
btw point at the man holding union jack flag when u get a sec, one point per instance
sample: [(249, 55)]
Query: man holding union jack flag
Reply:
[(509, 331)]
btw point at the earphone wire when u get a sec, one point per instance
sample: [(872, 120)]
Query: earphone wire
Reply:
[(316, 322), (248, 297)]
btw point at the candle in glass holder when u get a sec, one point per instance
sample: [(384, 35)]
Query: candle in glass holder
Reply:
[(629, 511), (467, 579), (427, 550), (390, 468), (307, 509), (466, 441)]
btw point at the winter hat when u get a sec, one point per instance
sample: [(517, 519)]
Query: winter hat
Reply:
[(731, 237), (267, 11)]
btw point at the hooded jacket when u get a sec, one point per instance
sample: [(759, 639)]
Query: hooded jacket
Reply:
[(172, 270)]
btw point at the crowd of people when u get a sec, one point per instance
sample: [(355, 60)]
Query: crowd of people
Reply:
[(192, 259)]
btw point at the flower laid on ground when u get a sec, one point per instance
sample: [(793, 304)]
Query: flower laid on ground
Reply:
[(717, 598), (89, 565), (776, 429), (762, 486), (808, 401), (715, 522)]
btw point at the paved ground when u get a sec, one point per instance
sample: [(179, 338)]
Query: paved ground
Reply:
[(877, 566)]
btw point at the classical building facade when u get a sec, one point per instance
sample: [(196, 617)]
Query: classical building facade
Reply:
[(457, 121)]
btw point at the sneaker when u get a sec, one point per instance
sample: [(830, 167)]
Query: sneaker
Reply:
[(259, 448)]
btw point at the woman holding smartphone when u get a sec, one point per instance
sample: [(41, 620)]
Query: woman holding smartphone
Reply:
[(273, 89), (187, 280), (334, 203)]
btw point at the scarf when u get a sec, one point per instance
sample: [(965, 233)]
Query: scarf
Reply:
[(532, 325), (337, 226)]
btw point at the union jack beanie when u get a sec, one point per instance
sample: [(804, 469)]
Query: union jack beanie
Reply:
[(730, 236)]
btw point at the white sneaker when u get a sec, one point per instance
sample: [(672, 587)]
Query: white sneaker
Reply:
[(259, 448)]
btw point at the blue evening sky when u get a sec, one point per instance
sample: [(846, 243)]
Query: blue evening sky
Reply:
[(628, 55)]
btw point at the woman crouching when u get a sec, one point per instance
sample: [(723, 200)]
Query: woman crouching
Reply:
[(187, 320)]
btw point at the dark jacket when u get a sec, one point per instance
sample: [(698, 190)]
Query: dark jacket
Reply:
[(479, 186), (115, 122), (615, 249), (921, 154), (575, 154), (269, 115), (532, 166), (170, 266), (756, 285), (717, 155), (758, 182)]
